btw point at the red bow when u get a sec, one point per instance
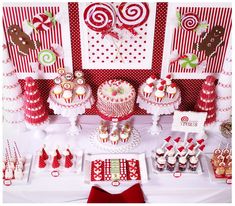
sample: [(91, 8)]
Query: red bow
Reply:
[(133, 194)]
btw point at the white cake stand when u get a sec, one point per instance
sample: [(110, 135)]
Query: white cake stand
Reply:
[(71, 110), (166, 106)]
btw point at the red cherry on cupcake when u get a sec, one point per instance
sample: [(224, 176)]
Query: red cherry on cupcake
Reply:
[(114, 93)]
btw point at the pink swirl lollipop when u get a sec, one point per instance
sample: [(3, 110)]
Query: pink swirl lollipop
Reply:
[(132, 15), (100, 17), (189, 21)]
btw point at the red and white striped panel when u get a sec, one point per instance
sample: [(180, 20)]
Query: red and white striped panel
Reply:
[(183, 40), (16, 15), (107, 170), (123, 170)]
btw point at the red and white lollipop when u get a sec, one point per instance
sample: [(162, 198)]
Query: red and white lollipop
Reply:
[(132, 15), (101, 17), (189, 21)]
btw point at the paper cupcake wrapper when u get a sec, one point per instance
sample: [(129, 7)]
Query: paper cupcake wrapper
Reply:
[(80, 97), (158, 99), (124, 140), (146, 94), (68, 101), (171, 96), (114, 142), (57, 96), (104, 140)]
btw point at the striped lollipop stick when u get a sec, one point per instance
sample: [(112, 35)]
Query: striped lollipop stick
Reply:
[(15, 154), (17, 149), (7, 158), (9, 148)]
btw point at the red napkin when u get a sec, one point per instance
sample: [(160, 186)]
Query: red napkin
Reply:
[(133, 194)]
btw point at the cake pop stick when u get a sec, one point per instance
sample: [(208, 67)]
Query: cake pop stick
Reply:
[(168, 148), (201, 148), (17, 149), (166, 140), (179, 149), (190, 148), (199, 142)]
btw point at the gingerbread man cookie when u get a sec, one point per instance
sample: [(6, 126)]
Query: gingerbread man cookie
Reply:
[(210, 41), (22, 40)]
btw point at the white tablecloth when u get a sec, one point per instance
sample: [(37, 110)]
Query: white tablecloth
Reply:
[(71, 188)]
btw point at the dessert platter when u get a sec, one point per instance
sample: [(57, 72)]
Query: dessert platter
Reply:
[(158, 97), (58, 162), (177, 157), (115, 168), (220, 165), (15, 167), (70, 97)]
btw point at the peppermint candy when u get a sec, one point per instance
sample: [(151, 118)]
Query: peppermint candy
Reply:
[(100, 17), (46, 57), (43, 21), (132, 15), (189, 61), (189, 21)]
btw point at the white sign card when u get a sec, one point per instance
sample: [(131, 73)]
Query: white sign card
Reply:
[(188, 121)]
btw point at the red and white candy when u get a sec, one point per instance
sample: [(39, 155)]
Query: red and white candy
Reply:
[(100, 17), (42, 22), (132, 15), (189, 21)]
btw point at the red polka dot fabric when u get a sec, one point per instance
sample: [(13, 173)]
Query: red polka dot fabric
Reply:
[(189, 88)]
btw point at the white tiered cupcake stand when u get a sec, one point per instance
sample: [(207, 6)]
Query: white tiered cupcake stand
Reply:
[(71, 110), (166, 106)]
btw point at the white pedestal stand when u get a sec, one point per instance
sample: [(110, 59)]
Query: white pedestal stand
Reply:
[(166, 106), (71, 110)]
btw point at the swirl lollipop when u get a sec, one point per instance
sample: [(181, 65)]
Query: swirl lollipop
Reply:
[(46, 57), (100, 17), (132, 15), (189, 21)]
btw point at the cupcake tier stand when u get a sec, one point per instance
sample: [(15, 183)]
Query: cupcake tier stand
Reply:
[(134, 139), (71, 110), (166, 106)]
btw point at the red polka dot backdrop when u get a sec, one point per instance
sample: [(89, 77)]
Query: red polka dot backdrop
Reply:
[(94, 77)]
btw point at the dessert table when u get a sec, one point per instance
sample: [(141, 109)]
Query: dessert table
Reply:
[(44, 188)]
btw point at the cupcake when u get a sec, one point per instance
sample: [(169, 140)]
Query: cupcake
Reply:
[(159, 152), (68, 96), (124, 135), (80, 92), (193, 162), (57, 91), (182, 163), (171, 163), (148, 89), (160, 83), (168, 79), (127, 127), (114, 137), (161, 161), (103, 126), (171, 90), (103, 135), (159, 94), (151, 79)]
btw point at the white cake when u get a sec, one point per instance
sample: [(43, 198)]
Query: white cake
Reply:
[(116, 98)]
